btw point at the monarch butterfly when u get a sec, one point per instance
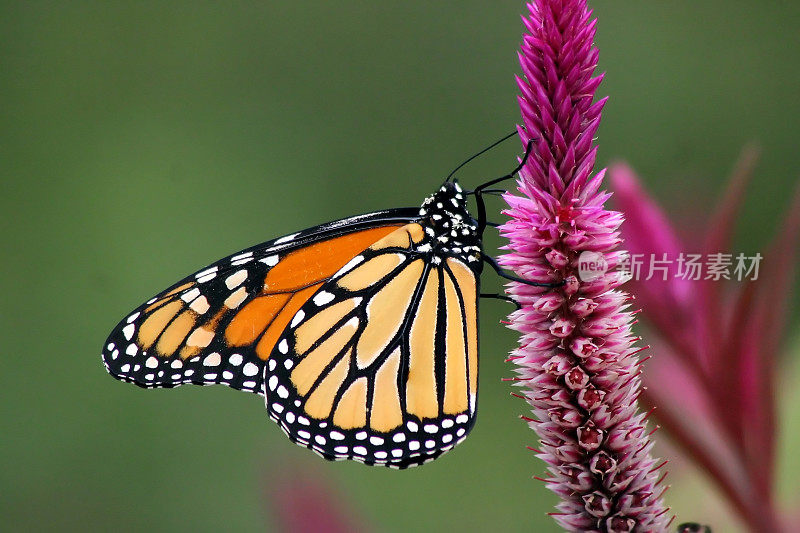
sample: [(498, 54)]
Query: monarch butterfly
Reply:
[(361, 334)]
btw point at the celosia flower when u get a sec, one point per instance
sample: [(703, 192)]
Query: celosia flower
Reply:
[(577, 363), (717, 344)]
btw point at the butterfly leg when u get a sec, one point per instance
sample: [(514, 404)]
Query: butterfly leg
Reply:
[(502, 297), (491, 261)]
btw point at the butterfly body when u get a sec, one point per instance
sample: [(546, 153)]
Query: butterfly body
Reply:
[(361, 334)]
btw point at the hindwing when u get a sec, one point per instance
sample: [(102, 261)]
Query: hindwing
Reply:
[(380, 364)]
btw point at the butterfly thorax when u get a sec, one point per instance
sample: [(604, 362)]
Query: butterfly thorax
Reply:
[(449, 228)]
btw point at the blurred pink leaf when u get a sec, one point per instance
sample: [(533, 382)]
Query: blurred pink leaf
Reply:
[(303, 500), (713, 373)]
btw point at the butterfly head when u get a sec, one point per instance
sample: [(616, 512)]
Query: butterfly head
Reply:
[(449, 225)]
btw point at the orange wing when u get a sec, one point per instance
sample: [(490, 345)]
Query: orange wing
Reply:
[(380, 365), (221, 324), (361, 333)]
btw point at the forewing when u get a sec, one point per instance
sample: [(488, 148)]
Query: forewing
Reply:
[(220, 324)]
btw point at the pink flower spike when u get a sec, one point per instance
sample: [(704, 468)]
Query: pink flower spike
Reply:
[(576, 362)]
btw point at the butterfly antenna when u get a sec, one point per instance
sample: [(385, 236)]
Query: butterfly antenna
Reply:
[(479, 153), (478, 192)]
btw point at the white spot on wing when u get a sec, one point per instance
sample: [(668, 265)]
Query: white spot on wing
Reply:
[(270, 260), (213, 359), (322, 298), (287, 238), (128, 331), (297, 318), (236, 279), (190, 295), (207, 277), (200, 305), (250, 369)]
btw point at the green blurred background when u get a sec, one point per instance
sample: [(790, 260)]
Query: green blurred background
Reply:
[(140, 141)]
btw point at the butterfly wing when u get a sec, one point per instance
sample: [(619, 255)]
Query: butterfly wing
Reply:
[(380, 364), (220, 324)]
